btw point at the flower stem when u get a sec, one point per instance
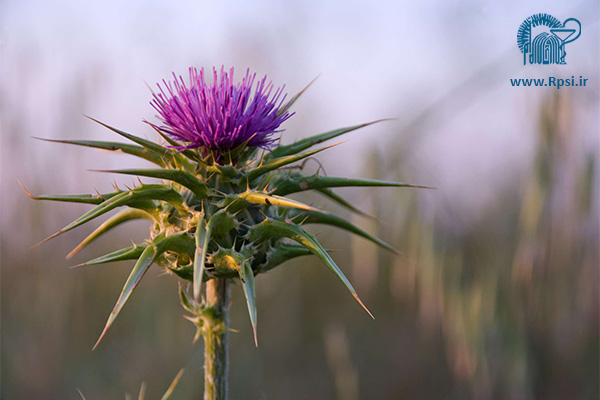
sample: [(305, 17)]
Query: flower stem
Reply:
[(215, 340)]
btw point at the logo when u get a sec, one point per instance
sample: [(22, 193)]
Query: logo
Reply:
[(542, 38)]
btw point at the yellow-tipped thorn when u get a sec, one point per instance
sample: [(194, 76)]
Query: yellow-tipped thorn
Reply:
[(190, 318), (363, 305), (304, 220), (421, 187), (75, 251), (104, 333), (142, 393), (196, 337), (81, 394), (26, 191), (45, 240), (174, 383)]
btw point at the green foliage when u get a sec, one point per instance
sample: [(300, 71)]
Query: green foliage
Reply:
[(225, 218)]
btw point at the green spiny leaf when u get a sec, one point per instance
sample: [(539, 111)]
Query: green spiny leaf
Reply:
[(275, 163), (298, 183), (73, 198), (131, 149), (202, 238), (233, 154), (242, 200), (115, 220), (184, 272), (176, 242), (227, 260), (140, 268), (303, 144), (145, 192), (186, 302), (270, 228), (187, 152), (222, 223), (247, 278), (163, 152), (318, 217), (343, 202), (282, 253), (180, 242), (128, 253), (198, 187), (228, 171)]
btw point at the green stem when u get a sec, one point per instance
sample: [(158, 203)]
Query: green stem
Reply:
[(215, 340)]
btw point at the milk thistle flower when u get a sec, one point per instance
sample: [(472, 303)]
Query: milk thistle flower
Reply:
[(221, 213), (220, 116)]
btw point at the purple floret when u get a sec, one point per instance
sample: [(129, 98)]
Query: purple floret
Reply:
[(221, 115)]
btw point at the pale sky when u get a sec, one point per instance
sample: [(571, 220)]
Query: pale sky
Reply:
[(63, 59)]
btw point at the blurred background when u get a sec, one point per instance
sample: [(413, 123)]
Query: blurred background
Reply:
[(496, 295)]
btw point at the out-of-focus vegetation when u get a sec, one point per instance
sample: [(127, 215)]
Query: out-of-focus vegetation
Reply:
[(514, 298), (504, 309)]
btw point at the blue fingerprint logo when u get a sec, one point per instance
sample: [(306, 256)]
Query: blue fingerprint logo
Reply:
[(542, 38)]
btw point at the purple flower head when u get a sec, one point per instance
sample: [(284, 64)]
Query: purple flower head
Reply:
[(221, 115)]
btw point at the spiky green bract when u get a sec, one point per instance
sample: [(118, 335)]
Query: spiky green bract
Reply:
[(209, 219)]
